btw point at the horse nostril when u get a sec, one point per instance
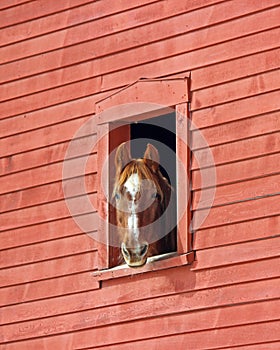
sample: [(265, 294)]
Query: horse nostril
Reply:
[(144, 249), (125, 251)]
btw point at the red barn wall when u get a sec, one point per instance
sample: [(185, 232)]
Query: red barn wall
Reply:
[(57, 59)]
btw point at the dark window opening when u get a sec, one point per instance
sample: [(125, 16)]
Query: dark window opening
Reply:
[(161, 133)]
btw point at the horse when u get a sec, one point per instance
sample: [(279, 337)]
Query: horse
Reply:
[(141, 195)]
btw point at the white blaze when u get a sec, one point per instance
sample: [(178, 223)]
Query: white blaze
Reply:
[(132, 186)]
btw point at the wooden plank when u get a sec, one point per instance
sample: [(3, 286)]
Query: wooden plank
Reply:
[(51, 97), (126, 74), (232, 68), (238, 212), (236, 90), (151, 265), (166, 283), (237, 130), (237, 192), (48, 230), (252, 106), (43, 137), (170, 325), (49, 212), (237, 151), (199, 51), (46, 193), (176, 324), (103, 238), (47, 116), (46, 250), (44, 156), (80, 314), (237, 233), (214, 339), (150, 20), (209, 75), (160, 92), (48, 289), (25, 12), (67, 18), (183, 156), (11, 3), (49, 268), (103, 27), (201, 300), (234, 254), (236, 172), (264, 346), (45, 175), (71, 74), (235, 69)]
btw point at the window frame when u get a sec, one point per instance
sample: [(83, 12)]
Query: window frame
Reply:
[(153, 94)]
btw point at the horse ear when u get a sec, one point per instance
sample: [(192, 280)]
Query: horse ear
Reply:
[(151, 153), (122, 157)]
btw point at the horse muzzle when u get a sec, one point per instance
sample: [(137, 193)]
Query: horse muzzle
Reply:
[(135, 256)]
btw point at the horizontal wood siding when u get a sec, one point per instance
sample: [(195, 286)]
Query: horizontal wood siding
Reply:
[(58, 59)]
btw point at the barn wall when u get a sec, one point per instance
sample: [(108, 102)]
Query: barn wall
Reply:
[(57, 59)]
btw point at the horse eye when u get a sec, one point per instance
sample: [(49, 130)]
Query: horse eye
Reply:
[(155, 195), (117, 196)]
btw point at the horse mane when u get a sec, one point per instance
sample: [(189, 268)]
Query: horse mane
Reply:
[(139, 167)]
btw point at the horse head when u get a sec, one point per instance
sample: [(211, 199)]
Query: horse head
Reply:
[(141, 195)]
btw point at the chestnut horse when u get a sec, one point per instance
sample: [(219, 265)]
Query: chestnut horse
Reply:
[(141, 195)]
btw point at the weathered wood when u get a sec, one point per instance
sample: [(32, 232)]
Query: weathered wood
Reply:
[(237, 232), (154, 94), (166, 283), (182, 323), (183, 154), (39, 157), (48, 212), (240, 150), (58, 61), (48, 116), (48, 230), (10, 3), (240, 171), (79, 14), (47, 193), (46, 175), (202, 76), (245, 108), (48, 289), (231, 91), (237, 130), (49, 269), (234, 254), (25, 12), (51, 98), (144, 54), (236, 68), (155, 21), (238, 212), (267, 332), (46, 251), (237, 192), (201, 300)]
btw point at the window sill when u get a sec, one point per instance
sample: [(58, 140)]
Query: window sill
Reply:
[(159, 262)]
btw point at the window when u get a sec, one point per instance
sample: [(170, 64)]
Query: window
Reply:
[(157, 109)]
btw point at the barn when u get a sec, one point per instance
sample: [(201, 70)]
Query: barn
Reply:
[(77, 76)]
